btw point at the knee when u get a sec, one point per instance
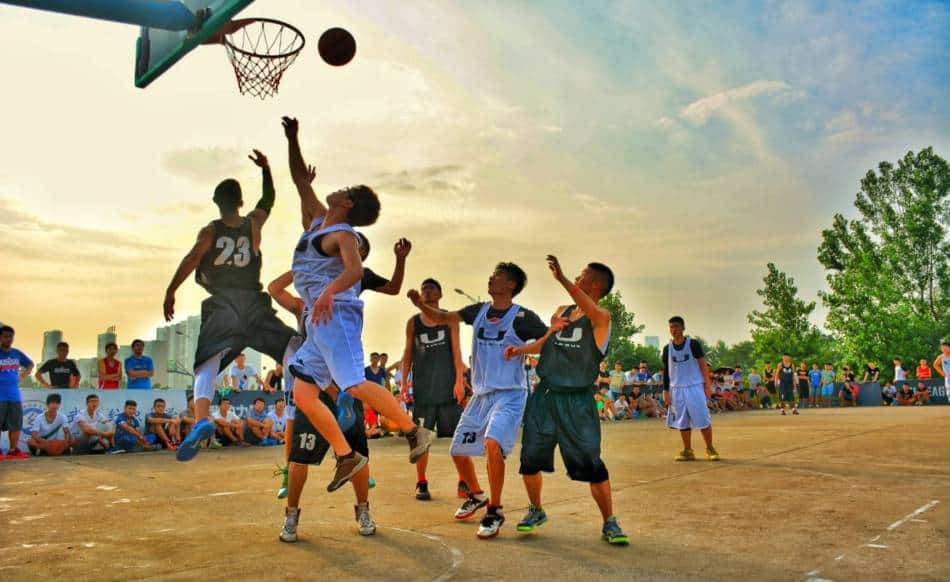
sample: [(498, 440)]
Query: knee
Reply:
[(492, 447)]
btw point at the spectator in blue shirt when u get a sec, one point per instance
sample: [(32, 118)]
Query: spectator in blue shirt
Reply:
[(14, 367), (139, 368), (258, 424), (814, 378), (128, 437)]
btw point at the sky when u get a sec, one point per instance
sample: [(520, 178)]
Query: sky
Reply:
[(685, 144)]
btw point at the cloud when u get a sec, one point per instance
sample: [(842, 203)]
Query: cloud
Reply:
[(205, 165), (427, 182), (699, 111), (594, 204)]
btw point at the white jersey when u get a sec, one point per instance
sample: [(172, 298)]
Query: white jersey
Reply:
[(899, 373), (93, 421), (230, 418), (279, 420), (945, 362), (51, 431), (684, 369), (314, 271)]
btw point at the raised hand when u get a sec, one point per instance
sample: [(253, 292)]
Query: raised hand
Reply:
[(290, 126), (402, 248), (511, 352), (259, 159), (415, 297), (558, 323), (311, 174), (555, 267)]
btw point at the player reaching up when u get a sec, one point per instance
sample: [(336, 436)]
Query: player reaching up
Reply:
[(560, 411), (226, 260), (327, 270)]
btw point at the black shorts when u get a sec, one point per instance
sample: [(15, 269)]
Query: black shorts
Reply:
[(237, 319), (442, 418), (803, 387), (308, 446), (568, 420), (11, 416), (787, 392)]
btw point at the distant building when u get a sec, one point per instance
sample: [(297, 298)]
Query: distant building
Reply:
[(652, 341), (108, 337), (181, 340), (50, 339), (88, 372), (158, 351)]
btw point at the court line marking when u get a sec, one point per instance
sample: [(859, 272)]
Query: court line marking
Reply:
[(912, 515), (457, 555)]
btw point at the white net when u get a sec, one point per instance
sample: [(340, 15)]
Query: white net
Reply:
[(260, 51)]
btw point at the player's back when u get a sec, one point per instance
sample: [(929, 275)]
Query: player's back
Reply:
[(314, 270), (231, 263)]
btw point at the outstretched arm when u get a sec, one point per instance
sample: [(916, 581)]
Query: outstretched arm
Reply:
[(187, 266), (598, 316), (278, 290), (401, 250), (310, 206), (557, 324), (266, 203), (433, 313)]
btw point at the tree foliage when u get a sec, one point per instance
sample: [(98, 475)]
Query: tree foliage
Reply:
[(623, 328), (889, 268)]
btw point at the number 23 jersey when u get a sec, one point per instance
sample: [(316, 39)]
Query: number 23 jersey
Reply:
[(231, 263)]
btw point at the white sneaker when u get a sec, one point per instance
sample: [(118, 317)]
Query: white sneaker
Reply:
[(364, 519), (289, 532)]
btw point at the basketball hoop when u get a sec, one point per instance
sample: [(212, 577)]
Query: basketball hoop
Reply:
[(260, 50)]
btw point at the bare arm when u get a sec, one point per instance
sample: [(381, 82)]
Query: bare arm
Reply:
[(707, 378), (25, 372), (278, 290), (187, 267), (39, 378), (598, 316), (264, 206), (310, 205), (406, 362), (435, 314), (938, 366), (401, 250)]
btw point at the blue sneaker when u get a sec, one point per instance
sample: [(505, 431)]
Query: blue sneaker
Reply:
[(372, 483), (345, 415), (202, 431), (268, 442)]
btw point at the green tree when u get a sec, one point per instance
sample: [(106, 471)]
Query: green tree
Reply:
[(722, 355), (622, 329), (889, 268), (783, 326)]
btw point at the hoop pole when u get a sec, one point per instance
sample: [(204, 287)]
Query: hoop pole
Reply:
[(164, 14)]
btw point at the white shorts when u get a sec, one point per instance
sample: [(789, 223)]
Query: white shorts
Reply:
[(496, 415), (333, 350), (689, 408)]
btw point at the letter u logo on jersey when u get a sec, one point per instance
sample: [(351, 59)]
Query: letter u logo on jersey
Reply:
[(439, 336), (576, 335), (498, 337), (680, 358)]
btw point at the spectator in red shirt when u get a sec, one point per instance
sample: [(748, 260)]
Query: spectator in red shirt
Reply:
[(110, 369), (923, 370)]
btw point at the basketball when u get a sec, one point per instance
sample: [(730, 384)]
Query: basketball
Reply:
[(336, 47), (56, 448)]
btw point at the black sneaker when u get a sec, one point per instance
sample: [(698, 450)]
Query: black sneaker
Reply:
[(491, 523), (422, 491)]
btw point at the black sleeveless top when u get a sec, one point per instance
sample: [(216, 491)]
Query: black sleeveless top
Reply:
[(231, 263), (570, 359), (786, 376), (433, 366)]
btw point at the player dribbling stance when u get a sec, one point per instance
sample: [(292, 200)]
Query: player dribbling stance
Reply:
[(560, 412)]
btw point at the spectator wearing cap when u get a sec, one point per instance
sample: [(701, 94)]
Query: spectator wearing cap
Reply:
[(50, 434)]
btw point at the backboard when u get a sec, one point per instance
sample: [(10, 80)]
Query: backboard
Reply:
[(157, 50)]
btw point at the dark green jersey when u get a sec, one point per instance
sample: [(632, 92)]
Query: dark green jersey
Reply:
[(231, 263), (570, 359), (433, 365)]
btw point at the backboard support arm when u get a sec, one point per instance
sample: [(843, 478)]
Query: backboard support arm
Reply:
[(161, 14)]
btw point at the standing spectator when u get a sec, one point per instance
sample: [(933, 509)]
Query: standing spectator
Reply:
[(139, 368), (737, 378), (15, 367), (128, 437), (923, 370), (922, 395), (91, 429), (888, 394), (258, 424), (827, 384), (110, 369), (278, 418), (755, 380), (603, 377), (814, 381), (161, 428), (187, 418), (900, 372), (230, 428), (872, 373), (50, 434), (616, 380), (785, 377), (241, 374), (906, 396), (769, 374), (803, 384), (62, 371), (374, 372), (275, 379), (387, 376)]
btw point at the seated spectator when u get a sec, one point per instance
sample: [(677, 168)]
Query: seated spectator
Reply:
[(50, 434), (923, 370), (258, 425), (922, 394), (161, 429), (62, 371), (888, 394), (278, 418), (848, 395), (275, 380), (714, 402), (241, 374), (187, 418), (645, 404), (128, 437), (906, 396), (658, 378), (604, 404), (622, 408), (729, 399), (765, 397), (91, 429), (230, 428), (371, 421), (643, 376)]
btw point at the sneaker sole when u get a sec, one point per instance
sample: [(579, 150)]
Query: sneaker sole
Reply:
[(426, 497), (422, 448), (617, 541), (189, 450), (530, 528), (472, 514), (359, 466), (487, 537), (287, 540), (368, 533)]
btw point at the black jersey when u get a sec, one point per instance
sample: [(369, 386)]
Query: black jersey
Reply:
[(786, 376), (570, 359), (231, 263), (433, 365)]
